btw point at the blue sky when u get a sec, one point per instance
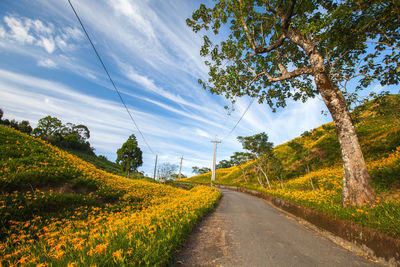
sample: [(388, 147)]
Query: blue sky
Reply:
[(48, 67)]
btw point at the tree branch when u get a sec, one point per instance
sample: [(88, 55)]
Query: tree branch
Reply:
[(281, 67), (278, 43), (288, 15), (384, 43), (246, 29), (288, 75)]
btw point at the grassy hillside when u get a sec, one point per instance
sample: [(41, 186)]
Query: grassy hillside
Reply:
[(56, 209), (99, 162), (379, 132)]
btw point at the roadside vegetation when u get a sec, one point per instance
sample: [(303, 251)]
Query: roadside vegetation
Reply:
[(58, 210), (310, 168)]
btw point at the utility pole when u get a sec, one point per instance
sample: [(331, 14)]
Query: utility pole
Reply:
[(155, 168), (214, 159), (180, 169)]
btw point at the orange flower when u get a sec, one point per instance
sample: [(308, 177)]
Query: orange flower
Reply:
[(118, 254)]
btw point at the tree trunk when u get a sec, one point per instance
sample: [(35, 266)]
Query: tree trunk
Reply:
[(265, 175), (128, 174), (280, 180), (311, 182), (356, 180), (244, 174)]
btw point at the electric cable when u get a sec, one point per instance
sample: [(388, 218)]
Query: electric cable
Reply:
[(244, 113), (109, 76)]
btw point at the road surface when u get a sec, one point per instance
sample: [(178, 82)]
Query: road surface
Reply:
[(247, 231)]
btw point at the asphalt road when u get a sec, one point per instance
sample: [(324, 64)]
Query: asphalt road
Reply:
[(247, 231)]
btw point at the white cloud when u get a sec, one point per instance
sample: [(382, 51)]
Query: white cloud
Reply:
[(47, 63), (72, 33), (47, 43), (2, 32), (41, 28), (202, 133), (133, 13), (19, 29), (26, 31)]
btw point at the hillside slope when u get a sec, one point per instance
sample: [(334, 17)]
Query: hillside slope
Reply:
[(99, 162), (56, 209), (378, 128)]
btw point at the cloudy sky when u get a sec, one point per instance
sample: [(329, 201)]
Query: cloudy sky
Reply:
[(48, 67)]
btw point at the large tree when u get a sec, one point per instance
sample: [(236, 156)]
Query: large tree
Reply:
[(48, 127), (129, 156), (280, 49)]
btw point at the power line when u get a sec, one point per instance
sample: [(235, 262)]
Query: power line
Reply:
[(244, 113), (108, 74)]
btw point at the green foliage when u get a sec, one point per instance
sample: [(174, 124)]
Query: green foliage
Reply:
[(23, 126), (201, 170), (257, 144), (48, 127), (224, 164), (68, 136), (129, 156), (258, 45)]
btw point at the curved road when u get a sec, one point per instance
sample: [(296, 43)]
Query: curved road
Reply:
[(247, 231)]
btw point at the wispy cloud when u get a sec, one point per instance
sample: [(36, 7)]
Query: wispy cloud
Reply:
[(47, 63)]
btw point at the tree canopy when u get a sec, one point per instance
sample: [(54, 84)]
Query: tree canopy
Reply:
[(69, 135), (129, 156), (265, 55), (200, 170), (257, 144)]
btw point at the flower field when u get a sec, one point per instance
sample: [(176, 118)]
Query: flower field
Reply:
[(58, 210)]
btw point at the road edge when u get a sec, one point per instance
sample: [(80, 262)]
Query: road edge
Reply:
[(376, 245)]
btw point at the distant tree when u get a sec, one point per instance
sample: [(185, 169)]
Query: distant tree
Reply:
[(129, 156), (48, 128), (82, 131), (1, 114), (201, 170), (261, 149), (102, 157), (25, 127), (176, 176), (224, 164), (195, 169), (167, 171), (238, 159), (14, 124), (276, 168)]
